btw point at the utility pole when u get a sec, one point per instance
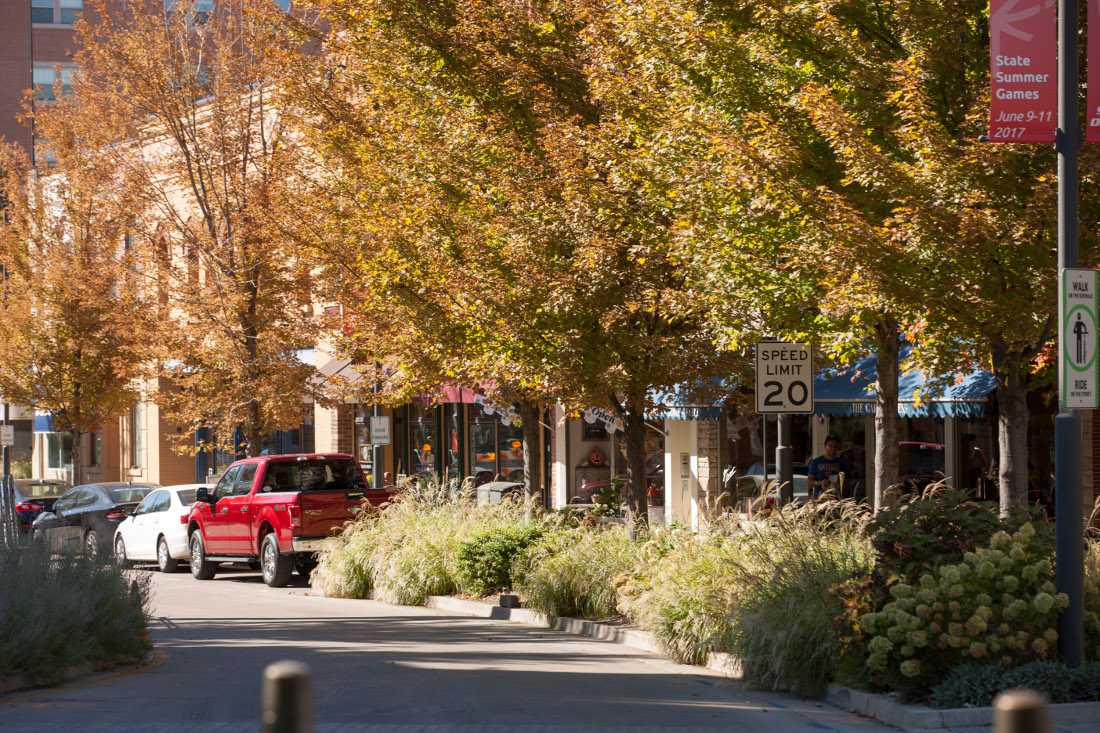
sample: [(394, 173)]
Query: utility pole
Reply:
[(1069, 542)]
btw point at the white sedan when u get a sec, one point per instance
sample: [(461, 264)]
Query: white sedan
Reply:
[(157, 530)]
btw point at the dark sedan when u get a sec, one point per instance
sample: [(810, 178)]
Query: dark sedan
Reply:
[(36, 495), (86, 517)]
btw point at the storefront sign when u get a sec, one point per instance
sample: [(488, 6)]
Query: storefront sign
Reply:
[(612, 423), (1023, 71), (1079, 375)]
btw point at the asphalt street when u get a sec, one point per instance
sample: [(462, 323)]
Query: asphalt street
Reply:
[(383, 668)]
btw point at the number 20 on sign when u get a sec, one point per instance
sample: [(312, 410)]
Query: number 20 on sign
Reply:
[(784, 377)]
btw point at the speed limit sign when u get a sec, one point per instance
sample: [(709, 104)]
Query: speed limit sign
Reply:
[(784, 377)]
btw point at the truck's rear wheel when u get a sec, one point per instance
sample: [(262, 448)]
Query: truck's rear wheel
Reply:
[(275, 566), (201, 568)]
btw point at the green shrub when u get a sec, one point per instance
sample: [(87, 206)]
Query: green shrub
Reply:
[(571, 571), (485, 561), (1092, 599), (63, 611), (973, 685), (999, 603), (680, 591), (917, 536), (781, 608), (409, 551)]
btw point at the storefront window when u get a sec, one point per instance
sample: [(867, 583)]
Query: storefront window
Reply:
[(59, 450), (423, 439), (496, 449)]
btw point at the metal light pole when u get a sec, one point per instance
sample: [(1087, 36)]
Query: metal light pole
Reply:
[(1069, 542), (377, 451)]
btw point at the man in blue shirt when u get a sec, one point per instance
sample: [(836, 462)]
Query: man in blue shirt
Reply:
[(825, 468)]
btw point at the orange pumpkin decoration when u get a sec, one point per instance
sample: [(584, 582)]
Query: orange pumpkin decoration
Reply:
[(596, 457)]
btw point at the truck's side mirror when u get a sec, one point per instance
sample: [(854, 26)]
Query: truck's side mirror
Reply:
[(202, 494)]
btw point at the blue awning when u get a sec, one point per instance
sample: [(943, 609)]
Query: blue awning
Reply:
[(674, 405), (851, 391), (43, 424)]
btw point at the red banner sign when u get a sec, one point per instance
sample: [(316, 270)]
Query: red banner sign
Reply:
[(1092, 126), (1023, 71)]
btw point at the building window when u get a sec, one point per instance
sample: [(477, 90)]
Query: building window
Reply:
[(66, 12), (94, 449), (135, 436), (59, 450), (496, 449), (45, 79)]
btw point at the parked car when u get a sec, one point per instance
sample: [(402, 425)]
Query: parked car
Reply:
[(276, 510), (921, 464), (798, 468), (85, 518), (157, 529), (34, 496), (751, 496)]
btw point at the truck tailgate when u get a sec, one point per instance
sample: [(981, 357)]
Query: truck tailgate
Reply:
[(326, 512)]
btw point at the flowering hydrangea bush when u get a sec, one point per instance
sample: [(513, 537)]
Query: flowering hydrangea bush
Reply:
[(998, 605)]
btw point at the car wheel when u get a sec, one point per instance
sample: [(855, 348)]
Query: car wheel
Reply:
[(91, 544), (275, 566), (120, 552), (201, 568), (166, 562)]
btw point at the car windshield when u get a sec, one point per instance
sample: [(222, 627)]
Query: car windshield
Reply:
[(187, 496), (42, 491), (128, 494), (317, 474)]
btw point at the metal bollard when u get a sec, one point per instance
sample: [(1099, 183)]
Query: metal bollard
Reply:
[(287, 702), (1021, 711)]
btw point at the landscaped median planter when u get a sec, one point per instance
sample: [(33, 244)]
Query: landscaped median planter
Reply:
[(887, 709)]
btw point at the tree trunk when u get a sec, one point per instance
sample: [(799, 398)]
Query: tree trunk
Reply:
[(634, 427), (1011, 431), (252, 435), (78, 474), (529, 414), (886, 414)]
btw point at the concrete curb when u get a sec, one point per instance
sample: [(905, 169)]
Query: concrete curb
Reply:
[(920, 717), (17, 684), (634, 638)]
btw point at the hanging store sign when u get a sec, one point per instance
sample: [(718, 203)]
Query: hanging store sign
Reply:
[(612, 423), (1023, 71)]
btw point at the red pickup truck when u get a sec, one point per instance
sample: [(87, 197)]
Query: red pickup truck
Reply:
[(275, 510)]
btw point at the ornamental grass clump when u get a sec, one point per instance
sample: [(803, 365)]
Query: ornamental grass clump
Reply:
[(680, 591), (781, 607), (62, 611), (409, 550), (571, 571), (998, 605)]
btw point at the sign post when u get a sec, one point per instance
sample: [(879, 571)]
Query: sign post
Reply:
[(784, 385)]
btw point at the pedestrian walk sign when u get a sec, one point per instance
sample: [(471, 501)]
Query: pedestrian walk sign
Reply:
[(1079, 372)]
